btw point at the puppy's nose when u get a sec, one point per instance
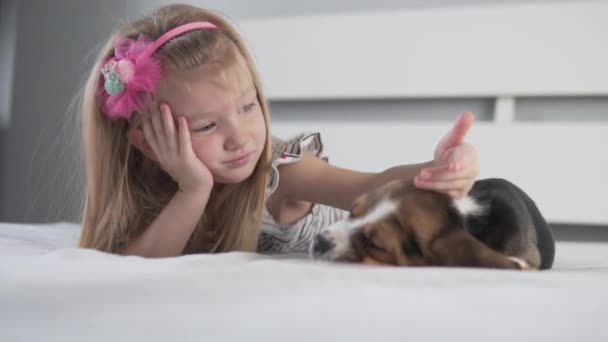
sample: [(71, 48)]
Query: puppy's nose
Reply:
[(321, 244)]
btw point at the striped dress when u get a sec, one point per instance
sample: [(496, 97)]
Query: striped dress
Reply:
[(296, 237)]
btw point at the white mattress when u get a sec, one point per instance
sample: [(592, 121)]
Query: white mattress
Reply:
[(50, 291)]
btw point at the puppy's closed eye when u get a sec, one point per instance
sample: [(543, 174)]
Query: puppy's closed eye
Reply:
[(410, 247), (371, 241), (376, 243)]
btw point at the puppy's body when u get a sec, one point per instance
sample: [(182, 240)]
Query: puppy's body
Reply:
[(497, 225), (510, 223)]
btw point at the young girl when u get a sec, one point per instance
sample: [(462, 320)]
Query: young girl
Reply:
[(180, 158)]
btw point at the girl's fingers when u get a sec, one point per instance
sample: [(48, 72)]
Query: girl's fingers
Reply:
[(168, 128), (461, 127), (456, 135), (443, 172), (159, 131), (447, 174), (149, 134), (455, 185), (185, 144)]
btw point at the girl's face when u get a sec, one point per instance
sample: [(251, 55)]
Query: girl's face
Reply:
[(226, 122)]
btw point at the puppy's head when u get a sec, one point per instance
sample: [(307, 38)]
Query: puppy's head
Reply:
[(401, 225)]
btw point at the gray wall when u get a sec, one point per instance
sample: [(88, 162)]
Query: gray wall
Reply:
[(8, 39), (56, 41), (8, 35), (40, 173)]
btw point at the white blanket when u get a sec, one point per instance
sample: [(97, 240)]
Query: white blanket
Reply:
[(51, 291)]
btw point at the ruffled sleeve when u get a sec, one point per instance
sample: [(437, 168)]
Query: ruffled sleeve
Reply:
[(290, 151)]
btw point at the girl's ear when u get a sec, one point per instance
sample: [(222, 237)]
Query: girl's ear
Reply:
[(137, 138)]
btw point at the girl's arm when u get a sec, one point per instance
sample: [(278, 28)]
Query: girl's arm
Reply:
[(169, 232), (453, 171), (312, 179), (171, 147)]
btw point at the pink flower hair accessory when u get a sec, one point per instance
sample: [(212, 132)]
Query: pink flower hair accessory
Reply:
[(132, 74)]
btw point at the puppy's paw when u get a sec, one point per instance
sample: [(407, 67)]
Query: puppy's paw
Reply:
[(523, 265)]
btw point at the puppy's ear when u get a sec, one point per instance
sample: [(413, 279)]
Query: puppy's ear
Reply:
[(422, 214), (455, 247)]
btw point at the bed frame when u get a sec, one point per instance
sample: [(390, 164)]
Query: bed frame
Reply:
[(501, 52)]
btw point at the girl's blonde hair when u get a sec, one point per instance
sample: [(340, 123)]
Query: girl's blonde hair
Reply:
[(125, 191)]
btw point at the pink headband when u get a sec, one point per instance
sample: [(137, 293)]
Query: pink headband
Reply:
[(132, 74)]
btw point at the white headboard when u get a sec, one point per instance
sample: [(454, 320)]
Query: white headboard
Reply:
[(491, 50), (503, 52)]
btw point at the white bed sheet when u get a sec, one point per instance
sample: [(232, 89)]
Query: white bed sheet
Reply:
[(51, 291)]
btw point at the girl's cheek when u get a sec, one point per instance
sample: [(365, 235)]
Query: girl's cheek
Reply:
[(204, 148)]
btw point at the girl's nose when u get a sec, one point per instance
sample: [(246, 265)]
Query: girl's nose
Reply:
[(236, 137)]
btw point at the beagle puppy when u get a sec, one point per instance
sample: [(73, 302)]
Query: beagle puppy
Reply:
[(496, 226)]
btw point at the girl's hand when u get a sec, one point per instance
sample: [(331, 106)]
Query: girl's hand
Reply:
[(173, 149), (456, 164)]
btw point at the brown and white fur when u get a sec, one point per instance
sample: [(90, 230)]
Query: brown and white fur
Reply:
[(496, 226)]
